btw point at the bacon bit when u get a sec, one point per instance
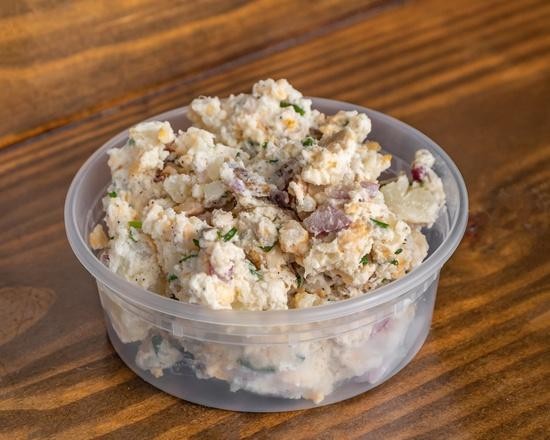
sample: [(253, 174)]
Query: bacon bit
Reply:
[(315, 133), (159, 176), (280, 198), (209, 269), (168, 170), (253, 182), (285, 174), (326, 219)]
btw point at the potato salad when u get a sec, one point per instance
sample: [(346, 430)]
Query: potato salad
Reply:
[(264, 203)]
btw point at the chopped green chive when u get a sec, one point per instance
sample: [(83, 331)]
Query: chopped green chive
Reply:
[(273, 160), (156, 341), (296, 107), (135, 224), (379, 223), (172, 277), (398, 251), (246, 364), (364, 260), (299, 280), (229, 234), (131, 142), (264, 145), (308, 142), (267, 248), (196, 243), (187, 257), (112, 194), (394, 262), (254, 271)]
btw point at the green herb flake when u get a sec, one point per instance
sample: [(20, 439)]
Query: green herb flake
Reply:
[(379, 223), (364, 260), (172, 277), (131, 142), (112, 194), (254, 271), (135, 224), (196, 243), (296, 107), (229, 234), (394, 262), (273, 160), (246, 364), (156, 340), (264, 145), (398, 251), (308, 142), (187, 257), (299, 280), (267, 248), (131, 235)]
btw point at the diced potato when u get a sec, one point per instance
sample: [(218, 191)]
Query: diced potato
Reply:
[(293, 238), (98, 239)]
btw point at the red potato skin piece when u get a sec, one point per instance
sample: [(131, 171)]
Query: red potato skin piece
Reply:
[(326, 219)]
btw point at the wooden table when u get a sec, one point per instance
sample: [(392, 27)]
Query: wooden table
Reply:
[(473, 75)]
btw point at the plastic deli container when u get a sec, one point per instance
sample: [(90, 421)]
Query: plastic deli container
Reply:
[(272, 360)]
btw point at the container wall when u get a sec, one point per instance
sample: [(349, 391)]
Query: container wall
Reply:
[(252, 376)]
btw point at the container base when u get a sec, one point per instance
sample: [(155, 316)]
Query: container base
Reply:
[(215, 393)]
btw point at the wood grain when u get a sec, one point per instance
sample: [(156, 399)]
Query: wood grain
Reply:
[(475, 76), (62, 59)]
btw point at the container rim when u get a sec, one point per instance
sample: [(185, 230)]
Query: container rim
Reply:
[(144, 298)]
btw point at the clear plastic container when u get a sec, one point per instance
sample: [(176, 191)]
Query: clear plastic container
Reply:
[(273, 360)]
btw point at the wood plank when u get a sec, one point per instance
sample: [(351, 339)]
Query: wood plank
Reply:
[(64, 59), (475, 76)]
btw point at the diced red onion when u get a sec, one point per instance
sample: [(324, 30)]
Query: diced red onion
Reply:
[(237, 186), (418, 173), (326, 219), (380, 326), (371, 187), (227, 275), (340, 193)]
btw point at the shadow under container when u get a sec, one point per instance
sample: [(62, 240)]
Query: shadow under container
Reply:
[(272, 360)]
